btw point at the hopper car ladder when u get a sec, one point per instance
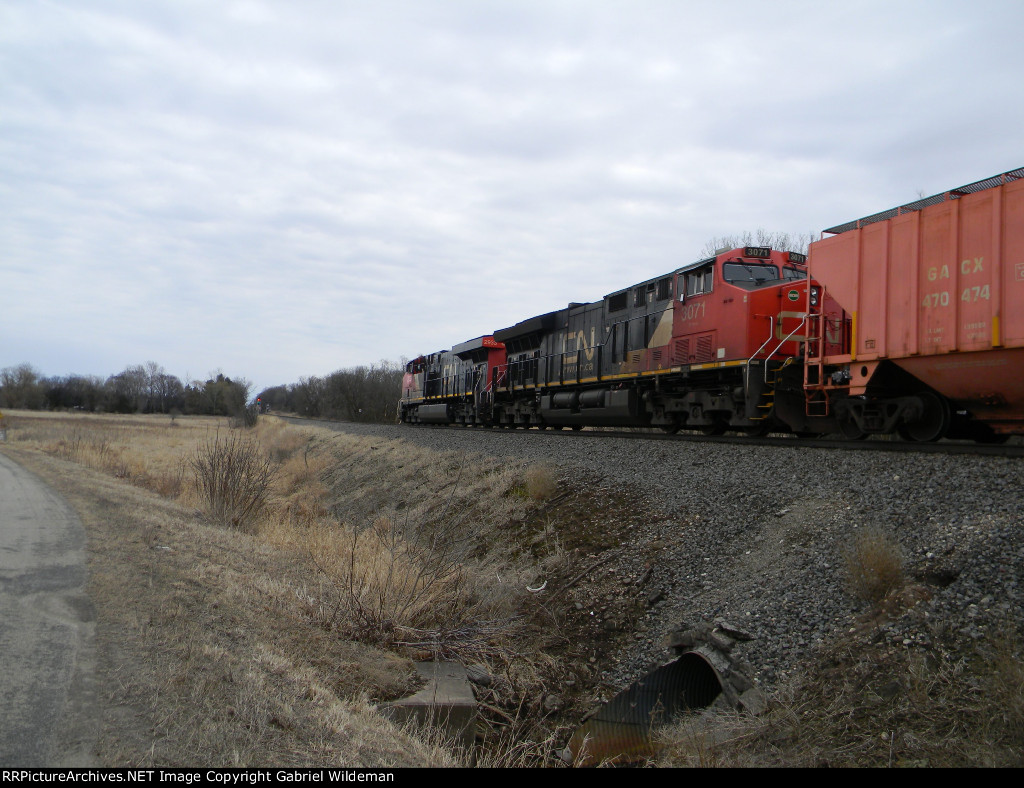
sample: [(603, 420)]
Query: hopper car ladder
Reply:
[(816, 401)]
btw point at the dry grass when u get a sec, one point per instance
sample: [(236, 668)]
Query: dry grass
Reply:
[(243, 647), (399, 537), (535, 483), (541, 482), (875, 706), (374, 580), (419, 577), (146, 451), (204, 652), (419, 540), (874, 565)]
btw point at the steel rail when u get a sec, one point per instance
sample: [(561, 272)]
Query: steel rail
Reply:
[(876, 443)]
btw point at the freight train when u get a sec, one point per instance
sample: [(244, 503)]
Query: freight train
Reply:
[(909, 321)]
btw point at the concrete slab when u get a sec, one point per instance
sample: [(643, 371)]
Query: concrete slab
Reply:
[(445, 701)]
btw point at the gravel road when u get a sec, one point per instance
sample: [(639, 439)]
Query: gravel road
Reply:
[(45, 625), (757, 535)]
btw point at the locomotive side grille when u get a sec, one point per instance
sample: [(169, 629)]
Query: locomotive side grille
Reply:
[(704, 352), (681, 351)]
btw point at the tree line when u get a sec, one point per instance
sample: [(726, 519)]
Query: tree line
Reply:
[(142, 388), (355, 394)]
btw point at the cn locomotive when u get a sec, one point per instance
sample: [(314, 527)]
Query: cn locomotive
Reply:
[(909, 321)]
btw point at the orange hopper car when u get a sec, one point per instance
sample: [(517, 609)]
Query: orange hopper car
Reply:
[(933, 294)]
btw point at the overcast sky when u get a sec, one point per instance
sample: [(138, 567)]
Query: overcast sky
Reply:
[(282, 189)]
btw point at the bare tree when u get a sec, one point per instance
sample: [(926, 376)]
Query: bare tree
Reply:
[(20, 387), (776, 240), (128, 390)]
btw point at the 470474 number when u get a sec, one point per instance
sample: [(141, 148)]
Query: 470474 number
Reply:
[(969, 295)]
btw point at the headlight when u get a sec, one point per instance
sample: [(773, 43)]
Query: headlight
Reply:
[(814, 296)]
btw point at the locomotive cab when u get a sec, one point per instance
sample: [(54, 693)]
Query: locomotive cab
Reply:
[(412, 380), (732, 305), (740, 317)]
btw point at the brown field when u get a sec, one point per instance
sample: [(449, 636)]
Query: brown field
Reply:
[(268, 635), (270, 641)]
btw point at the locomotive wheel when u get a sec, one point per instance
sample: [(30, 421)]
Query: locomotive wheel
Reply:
[(671, 429), (577, 427), (934, 421), (718, 428), (757, 431)]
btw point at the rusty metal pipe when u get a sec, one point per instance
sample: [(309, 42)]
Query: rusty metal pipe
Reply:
[(620, 730)]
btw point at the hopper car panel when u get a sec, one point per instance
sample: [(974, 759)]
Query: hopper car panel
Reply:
[(935, 288)]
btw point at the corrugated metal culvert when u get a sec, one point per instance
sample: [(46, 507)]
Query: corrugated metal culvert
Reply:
[(705, 672)]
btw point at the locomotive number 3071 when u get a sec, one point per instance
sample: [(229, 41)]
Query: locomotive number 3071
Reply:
[(692, 311)]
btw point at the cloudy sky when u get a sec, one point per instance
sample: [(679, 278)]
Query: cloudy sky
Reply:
[(281, 189)]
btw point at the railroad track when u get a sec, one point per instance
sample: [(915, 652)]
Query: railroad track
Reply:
[(877, 444), (880, 443)]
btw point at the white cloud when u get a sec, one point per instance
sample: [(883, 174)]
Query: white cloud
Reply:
[(283, 194)]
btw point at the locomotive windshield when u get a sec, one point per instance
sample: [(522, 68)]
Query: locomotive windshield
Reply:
[(749, 272), (793, 273)]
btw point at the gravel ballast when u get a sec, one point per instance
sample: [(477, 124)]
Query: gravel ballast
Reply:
[(757, 535)]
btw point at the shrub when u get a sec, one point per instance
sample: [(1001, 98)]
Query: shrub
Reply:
[(404, 584), (246, 417), (874, 565), (540, 482), (390, 574), (232, 478)]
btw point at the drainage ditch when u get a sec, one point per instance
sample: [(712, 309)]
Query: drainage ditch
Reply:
[(704, 673)]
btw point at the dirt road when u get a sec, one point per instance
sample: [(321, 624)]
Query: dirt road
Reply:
[(46, 628)]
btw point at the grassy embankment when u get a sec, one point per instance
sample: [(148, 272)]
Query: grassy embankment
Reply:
[(227, 638), (263, 630)]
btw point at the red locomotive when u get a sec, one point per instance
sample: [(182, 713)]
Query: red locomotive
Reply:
[(908, 324)]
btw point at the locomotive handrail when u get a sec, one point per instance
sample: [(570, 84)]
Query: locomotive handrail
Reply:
[(800, 325), (771, 331)]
